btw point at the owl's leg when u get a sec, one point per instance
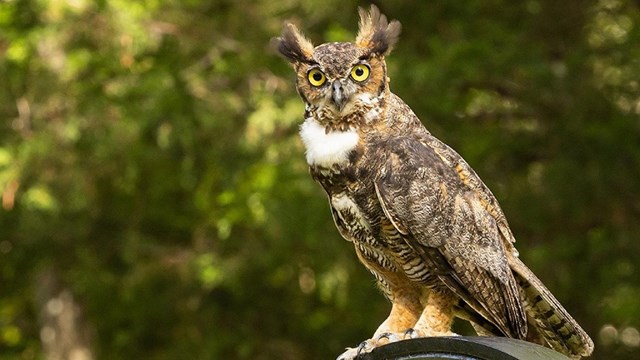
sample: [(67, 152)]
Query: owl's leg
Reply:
[(437, 317), (405, 311)]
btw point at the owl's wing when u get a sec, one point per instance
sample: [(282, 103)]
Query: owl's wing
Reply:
[(447, 224), (473, 183)]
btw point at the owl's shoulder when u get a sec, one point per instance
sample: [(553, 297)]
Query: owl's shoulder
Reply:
[(399, 118)]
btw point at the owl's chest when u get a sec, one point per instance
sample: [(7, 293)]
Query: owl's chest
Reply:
[(378, 244), (338, 162), (327, 149), (360, 220)]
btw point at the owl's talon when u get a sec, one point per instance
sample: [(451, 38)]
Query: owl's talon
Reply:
[(368, 345), (411, 333), (362, 347), (414, 333), (352, 353), (389, 337)]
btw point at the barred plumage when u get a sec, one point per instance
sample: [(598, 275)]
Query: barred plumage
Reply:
[(419, 217)]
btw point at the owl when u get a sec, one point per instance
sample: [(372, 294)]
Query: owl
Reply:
[(419, 218)]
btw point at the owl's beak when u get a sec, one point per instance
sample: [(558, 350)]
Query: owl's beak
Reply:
[(337, 95)]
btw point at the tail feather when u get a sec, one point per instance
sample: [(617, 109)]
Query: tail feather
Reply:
[(553, 322)]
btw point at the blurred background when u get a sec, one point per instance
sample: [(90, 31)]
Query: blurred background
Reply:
[(156, 204)]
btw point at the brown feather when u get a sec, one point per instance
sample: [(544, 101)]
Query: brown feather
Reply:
[(294, 46), (375, 33)]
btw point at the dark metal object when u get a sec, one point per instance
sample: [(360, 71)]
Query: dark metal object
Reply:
[(462, 348)]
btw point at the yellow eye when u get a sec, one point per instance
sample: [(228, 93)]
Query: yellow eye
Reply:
[(360, 72), (316, 77)]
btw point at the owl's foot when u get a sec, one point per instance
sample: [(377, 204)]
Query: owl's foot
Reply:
[(370, 344), (386, 338)]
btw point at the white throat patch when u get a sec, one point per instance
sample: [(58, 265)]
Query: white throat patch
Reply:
[(327, 149)]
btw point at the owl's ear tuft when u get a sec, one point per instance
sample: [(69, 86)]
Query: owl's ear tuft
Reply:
[(294, 46), (376, 34)]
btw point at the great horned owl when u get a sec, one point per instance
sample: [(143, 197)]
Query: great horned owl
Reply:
[(419, 217)]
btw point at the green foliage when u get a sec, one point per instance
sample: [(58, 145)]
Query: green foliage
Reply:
[(148, 154)]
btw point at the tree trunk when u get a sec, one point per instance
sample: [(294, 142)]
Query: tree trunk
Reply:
[(64, 333)]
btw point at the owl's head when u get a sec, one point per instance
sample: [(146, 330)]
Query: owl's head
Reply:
[(337, 77)]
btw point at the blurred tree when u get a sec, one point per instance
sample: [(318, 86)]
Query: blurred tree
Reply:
[(150, 169)]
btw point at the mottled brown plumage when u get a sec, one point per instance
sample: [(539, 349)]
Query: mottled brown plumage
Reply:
[(419, 217)]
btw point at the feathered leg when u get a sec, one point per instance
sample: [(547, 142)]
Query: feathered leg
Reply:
[(437, 317), (406, 309)]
